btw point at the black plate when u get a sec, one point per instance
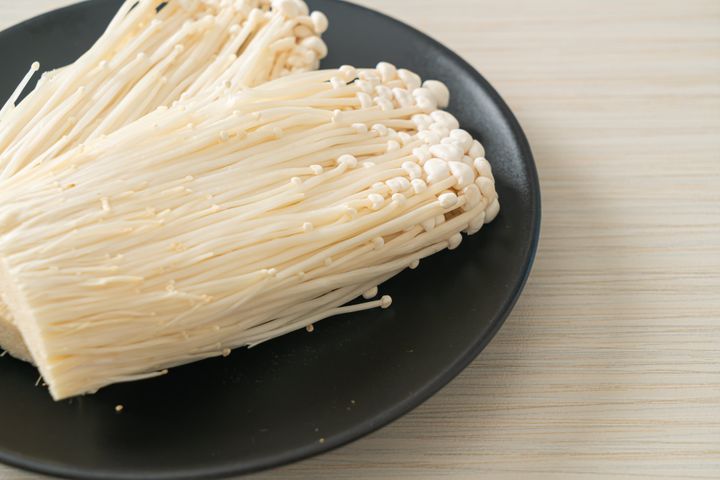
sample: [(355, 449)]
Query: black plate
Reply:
[(272, 405)]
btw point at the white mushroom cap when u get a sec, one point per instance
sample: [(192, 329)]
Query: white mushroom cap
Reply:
[(454, 241), (483, 167), (439, 91), (463, 139), (376, 200), (422, 154), (422, 121), (475, 224), (418, 185), (403, 97), (463, 173), (347, 159), (445, 118), (349, 72), (288, 8), (405, 138), (429, 137), (443, 132), (450, 153), (410, 79), (492, 211), (387, 71), (371, 293), (413, 169), (319, 21), (399, 198), (448, 199), (398, 184), (360, 127), (486, 186), (380, 128), (476, 150), (428, 225), (426, 104), (436, 170), (315, 44)]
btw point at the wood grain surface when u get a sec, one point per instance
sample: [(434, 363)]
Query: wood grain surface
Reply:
[(609, 367)]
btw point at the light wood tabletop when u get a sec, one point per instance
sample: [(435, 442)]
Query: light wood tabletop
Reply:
[(609, 366)]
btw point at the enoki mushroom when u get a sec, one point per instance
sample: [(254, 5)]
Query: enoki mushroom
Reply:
[(229, 219)]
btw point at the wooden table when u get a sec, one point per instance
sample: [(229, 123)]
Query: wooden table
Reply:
[(609, 367)]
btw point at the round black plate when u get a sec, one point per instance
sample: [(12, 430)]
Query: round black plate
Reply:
[(302, 394)]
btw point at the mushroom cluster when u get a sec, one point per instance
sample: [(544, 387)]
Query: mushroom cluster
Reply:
[(194, 184), (149, 57), (249, 213)]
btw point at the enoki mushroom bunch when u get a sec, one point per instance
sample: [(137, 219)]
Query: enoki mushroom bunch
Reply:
[(210, 225), (150, 57)]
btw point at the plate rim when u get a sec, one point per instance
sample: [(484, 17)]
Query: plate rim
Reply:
[(388, 415)]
